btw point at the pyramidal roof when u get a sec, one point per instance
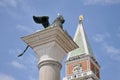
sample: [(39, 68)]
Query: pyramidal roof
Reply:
[(81, 40)]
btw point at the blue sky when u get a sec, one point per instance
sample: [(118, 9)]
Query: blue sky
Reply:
[(101, 23)]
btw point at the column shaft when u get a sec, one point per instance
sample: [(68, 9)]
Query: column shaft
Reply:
[(49, 70)]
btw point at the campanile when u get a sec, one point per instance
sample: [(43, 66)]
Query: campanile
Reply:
[(81, 63)]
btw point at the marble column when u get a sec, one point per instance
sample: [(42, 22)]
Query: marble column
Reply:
[(50, 45)]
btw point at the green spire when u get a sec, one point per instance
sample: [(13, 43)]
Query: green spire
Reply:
[(81, 40)]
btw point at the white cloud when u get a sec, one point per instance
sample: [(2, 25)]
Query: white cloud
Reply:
[(15, 51), (113, 52), (17, 65), (103, 2), (6, 77), (118, 35), (32, 61), (7, 3), (27, 8), (100, 37), (32, 78), (11, 7), (119, 28), (25, 28)]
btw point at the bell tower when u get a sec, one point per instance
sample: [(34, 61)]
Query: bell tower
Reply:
[(81, 63)]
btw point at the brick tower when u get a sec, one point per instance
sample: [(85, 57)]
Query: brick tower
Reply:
[(81, 63)]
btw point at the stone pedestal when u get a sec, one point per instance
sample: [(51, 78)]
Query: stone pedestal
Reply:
[(50, 45)]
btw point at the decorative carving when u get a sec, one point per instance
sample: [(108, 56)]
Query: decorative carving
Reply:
[(77, 69)]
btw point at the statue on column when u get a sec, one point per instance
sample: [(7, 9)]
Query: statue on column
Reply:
[(44, 20)]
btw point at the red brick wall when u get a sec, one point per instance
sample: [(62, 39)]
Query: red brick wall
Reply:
[(71, 66), (93, 68)]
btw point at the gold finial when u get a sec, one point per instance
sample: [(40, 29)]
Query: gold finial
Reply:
[(81, 17)]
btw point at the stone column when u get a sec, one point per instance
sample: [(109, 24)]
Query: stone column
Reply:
[(50, 45)]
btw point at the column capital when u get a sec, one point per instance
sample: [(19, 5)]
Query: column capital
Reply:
[(51, 34), (52, 43)]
